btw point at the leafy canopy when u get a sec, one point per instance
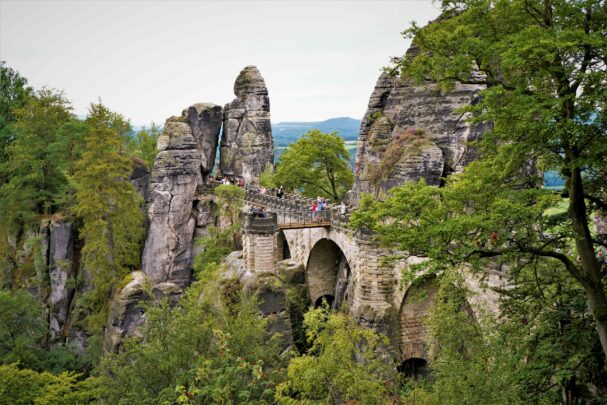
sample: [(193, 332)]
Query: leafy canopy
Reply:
[(107, 203), (344, 363), (317, 164), (543, 62), (212, 347)]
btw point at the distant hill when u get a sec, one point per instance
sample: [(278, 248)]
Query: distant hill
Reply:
[(285, 133)]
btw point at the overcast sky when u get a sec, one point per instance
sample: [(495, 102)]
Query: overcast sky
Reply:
[(150, 59)]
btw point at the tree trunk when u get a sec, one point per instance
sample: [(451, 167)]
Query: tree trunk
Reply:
[(590, 276), (597, 302)]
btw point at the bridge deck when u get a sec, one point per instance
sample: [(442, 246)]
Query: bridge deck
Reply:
[(301, 225)]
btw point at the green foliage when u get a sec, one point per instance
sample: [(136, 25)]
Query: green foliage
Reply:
[(230, 200), (13, 94), (108, 205), (203, 350), (543, 64), (22, 328), (30, 387), (217, 245), (33, 166), (298, 299), (144, 145), (474, 364), (317, 164), (266, 178), (346, 362), (546, 323)]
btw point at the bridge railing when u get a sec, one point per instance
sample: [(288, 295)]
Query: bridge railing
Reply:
[(293, 209)]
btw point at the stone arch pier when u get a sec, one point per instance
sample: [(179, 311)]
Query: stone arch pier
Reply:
[(412, 329), (348, 270), (327, 274)]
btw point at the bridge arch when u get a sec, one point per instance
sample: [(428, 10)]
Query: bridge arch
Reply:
[(415, 308), (328, 273), (283, 247)]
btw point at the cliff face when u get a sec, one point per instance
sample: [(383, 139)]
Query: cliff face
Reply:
[(247, 145), (186, 154), (205, 121), (58, 250), (179, 209), (177, 213), (437, 135)]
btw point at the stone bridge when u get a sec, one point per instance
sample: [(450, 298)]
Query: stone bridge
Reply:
[(346, 268)]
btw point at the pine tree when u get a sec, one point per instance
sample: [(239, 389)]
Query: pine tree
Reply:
[(108, 205), (32, 180)]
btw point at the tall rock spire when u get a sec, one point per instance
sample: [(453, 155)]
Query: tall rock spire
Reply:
[(247, 145), (186, 155)]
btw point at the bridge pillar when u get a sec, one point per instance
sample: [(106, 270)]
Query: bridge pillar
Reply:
[(260, 244)]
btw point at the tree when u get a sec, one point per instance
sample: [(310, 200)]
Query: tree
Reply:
[(473, 364), (317, 164), (145, 145), (33, 170), (32, 176), (22, 327), (266, 178), (108, 204), (343, 364), (230, 200), (543, 62), (13, 94), (212, 347), (30, 387)]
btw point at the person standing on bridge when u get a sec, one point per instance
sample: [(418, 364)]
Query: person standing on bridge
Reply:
[(281, 192), (320, 206)]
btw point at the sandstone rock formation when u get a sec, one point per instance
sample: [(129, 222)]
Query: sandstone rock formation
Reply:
[(139, 178), (205, 121), (247, 145), (58, 250), (178, 211), (440, 146), (126, 313), (174, 210)]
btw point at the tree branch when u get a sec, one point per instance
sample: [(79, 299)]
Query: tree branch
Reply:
[(597, 201), (569, 265), (317, 185)]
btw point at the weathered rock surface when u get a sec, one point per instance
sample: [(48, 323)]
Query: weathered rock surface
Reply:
[(205, 121), (58, 250), (175, 210), (247, 145), (395, 156), (167, 254), (126, 314), (139, 178), (397, 106)]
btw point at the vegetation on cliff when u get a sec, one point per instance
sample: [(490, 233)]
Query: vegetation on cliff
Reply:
[(543, 64), (108, 206), (56, 167)]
